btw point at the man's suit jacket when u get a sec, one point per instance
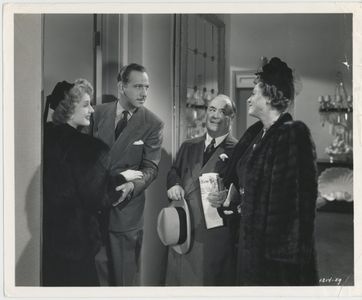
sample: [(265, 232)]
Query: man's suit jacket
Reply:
[(210, 260), (138, 148), (188, 165)]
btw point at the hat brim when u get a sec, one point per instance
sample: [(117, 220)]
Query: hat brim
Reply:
[(185, 246)]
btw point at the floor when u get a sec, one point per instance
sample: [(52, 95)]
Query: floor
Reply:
[(334, 241)]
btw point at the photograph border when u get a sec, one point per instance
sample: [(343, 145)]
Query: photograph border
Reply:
[(8, 113)]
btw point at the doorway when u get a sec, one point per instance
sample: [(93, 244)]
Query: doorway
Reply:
[(243, 84)]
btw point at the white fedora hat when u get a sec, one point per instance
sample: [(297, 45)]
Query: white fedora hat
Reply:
[(174, 226)]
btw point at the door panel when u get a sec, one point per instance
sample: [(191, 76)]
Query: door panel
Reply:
[(68, 49)]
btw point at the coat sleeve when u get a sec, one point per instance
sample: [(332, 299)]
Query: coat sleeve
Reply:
[(174, 175), (293, 190), (97, 186), (229, 173), (150, 160)]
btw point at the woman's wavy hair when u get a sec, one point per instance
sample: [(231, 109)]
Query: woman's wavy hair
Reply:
[(277, 83), (65, 108)]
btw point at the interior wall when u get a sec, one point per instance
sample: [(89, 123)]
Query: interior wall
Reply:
[(68, 49), (111, 27), (157, 58), (135, 39), (314, 45), (27, 133)]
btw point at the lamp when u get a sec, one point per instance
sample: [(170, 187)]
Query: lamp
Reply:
[(336, 110)]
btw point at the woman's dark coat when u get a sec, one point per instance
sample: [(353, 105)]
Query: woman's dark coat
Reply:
[(276, 241), (75, 183)]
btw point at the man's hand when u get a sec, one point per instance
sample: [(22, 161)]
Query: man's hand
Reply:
[(130, 175), (127, 189), (176, 193), (216, 199)]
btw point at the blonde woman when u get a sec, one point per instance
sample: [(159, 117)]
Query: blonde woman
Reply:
[(77, 189)]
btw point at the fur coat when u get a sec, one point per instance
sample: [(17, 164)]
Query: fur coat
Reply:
[(75, 186), (276, 241)]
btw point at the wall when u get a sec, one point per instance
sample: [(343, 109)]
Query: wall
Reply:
[(314, 45), (68, 49), (27, 131), (157, 58)]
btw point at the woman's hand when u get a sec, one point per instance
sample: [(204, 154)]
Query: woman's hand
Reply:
[(132, 175), (216, 199)]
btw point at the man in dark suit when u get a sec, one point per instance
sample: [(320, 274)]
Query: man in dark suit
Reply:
[(134, 135), (210, 260)]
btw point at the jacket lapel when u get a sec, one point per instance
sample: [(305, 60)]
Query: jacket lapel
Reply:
[(131, 133), (196, 163), (211, 164), (286, 117)]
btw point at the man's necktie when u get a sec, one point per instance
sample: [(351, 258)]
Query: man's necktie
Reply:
[(122, 123), (209, 151)]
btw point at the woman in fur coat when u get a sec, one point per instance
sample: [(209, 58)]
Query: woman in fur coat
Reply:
[(274, 169), (76, 182)]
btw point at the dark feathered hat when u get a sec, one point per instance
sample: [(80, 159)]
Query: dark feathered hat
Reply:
[(277, 73), (58, 93), (56, 96)]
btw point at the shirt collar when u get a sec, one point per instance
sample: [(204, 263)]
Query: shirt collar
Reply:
[(218, 140), (120, 109)]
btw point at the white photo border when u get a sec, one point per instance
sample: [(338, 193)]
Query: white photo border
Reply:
[(8, 112)]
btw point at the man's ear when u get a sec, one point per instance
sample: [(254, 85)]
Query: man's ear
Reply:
[(120, 87)]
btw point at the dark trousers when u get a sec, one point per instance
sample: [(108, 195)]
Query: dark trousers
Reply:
[(104, 266), (125, 257)]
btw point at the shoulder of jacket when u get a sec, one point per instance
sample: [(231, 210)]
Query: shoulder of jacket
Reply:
[(104, 105), (256, 127), (195, 140), (232, 140), (152, 117), (99, 108), (90, 143), (295, 125), (293, 130)]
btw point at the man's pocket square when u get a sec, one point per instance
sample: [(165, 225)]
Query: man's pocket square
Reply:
[(140, 142)]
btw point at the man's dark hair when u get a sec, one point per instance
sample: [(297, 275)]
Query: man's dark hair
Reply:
[(125, 71)]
